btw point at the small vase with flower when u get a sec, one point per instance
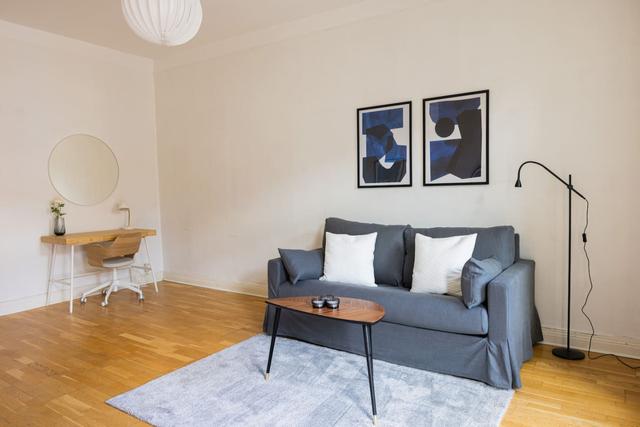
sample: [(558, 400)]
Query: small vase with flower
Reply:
[(56, 206)]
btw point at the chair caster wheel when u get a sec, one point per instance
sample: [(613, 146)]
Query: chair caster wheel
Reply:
[(140, 299), (104, 304), (83, 300)]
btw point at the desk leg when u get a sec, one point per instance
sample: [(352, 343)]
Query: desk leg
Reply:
[(73, 251), (368, 350), (153, 273), (274, 332), (52, 265)]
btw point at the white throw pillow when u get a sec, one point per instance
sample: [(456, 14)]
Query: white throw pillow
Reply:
[(438, 263), (349, 259)]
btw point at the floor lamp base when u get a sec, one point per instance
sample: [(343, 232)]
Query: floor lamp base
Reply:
[(568, 353)]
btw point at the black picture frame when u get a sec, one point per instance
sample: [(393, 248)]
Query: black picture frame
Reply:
[(485, 146), (409, 163)]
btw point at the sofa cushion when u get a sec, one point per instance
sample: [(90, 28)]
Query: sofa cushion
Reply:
[(438, 263), (389, 254), (349, 258), (301, 264), (427, 311), (492, 242), (476, 275)]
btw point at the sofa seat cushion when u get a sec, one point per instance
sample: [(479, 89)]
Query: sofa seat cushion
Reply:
[(428, 311)]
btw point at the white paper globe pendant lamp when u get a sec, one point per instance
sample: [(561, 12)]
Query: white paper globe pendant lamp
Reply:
[(163, 22)]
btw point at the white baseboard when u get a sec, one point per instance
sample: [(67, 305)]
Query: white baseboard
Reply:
[(621, 346), (247, 288), (60, 293)]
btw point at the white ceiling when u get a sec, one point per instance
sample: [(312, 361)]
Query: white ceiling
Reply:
[(101, 21)]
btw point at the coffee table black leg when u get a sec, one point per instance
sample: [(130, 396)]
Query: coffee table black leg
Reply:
[(368, 351), (274, 332)]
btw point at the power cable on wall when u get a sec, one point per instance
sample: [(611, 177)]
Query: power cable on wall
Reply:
[(586, 299)]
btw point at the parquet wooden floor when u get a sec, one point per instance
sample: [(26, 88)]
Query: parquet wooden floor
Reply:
[(58, 369)]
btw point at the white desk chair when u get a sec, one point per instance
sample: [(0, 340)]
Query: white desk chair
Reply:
[(114, 255)]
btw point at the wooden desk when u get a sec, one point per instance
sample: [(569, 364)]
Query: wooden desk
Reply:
[(94, 236), (79, 239)]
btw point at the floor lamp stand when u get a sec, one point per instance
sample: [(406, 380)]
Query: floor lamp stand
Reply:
[(568, 352), (563, 352)]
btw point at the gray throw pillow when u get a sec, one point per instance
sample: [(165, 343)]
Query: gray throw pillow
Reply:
[(301, 264), (476, 274)]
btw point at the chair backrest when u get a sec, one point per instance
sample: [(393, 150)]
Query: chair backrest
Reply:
[(125, 245)]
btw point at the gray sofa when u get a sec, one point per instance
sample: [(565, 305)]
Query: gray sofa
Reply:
[(438, 333)]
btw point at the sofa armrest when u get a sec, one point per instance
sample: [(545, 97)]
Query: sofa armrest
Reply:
[(514, 325), (510, 300), (277, 275)]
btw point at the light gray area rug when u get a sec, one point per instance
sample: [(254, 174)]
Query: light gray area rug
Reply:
[(309, 386)]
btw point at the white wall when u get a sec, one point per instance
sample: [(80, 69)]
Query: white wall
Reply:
[(257, 147), (52, 87)]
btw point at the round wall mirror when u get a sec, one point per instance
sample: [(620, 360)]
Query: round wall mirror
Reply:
[(83, 169)]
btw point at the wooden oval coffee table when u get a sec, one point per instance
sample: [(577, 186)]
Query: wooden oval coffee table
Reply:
[(352, 310)]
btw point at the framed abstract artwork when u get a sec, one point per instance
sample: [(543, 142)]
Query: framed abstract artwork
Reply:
[(455, 131), (384, 146)]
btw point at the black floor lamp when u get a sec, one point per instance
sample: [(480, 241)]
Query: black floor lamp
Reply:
[(568, 352)]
